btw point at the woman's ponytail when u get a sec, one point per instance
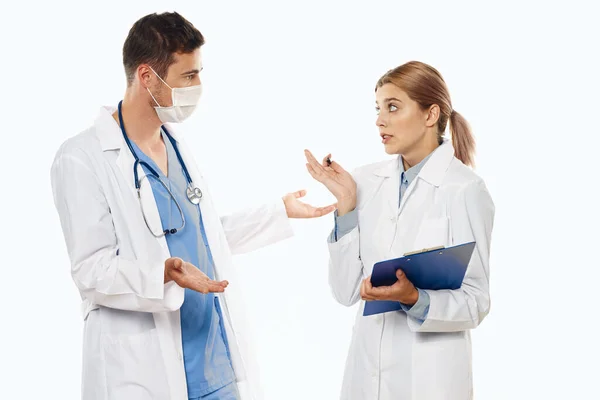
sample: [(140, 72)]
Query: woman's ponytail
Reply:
[(462, 139)]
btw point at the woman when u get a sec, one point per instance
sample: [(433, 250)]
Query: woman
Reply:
[(425, 197)]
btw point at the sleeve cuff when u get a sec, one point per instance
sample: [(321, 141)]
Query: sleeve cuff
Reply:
[(343, 225), (420, 309)]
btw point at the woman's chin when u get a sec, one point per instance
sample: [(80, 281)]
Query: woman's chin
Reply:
[(391, 149)]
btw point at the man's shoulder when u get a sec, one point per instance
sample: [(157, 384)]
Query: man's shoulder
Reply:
[(93, 140), (81, 146)]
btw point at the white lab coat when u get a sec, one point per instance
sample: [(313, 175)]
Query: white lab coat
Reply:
[(393, 356), (132, 337)]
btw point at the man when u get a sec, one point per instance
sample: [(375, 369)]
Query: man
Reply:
[(149, 254)]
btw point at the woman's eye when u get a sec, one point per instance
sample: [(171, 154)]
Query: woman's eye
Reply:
[(393, 108), (377, 110)]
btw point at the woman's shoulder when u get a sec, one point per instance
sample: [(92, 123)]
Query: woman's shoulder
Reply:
[(462, 175), (466, 183), (375, 170)]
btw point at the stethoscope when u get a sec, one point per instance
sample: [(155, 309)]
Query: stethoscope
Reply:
[(194, 194)]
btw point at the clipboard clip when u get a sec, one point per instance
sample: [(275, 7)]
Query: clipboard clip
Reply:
[(423, 251)]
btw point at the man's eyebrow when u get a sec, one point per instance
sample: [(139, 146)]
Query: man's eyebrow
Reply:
[(192, 72)]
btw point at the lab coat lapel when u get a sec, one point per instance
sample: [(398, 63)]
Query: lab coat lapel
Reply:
[(390, 189), (125, 162), (150, 209), (389, 193), (111, 139), (407, 194), (433, 173)]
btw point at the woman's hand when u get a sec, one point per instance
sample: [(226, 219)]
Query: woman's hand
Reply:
[(402, 291), (336, 179)]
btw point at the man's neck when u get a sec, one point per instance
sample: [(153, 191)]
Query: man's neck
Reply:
[(141, 122)]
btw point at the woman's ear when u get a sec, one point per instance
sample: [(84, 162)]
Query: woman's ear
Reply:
[(433, 116)]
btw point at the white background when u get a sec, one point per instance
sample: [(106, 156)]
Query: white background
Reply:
[(283, 76)]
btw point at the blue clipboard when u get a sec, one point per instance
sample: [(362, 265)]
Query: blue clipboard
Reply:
[(435, 269)]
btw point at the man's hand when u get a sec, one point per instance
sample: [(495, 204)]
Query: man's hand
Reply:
[(297, 209), (402, 291), (188, 276)]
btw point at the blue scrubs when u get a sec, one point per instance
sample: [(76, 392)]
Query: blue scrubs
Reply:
[(208, 368)]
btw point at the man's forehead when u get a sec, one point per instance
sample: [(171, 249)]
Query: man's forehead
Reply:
[(186, 61)]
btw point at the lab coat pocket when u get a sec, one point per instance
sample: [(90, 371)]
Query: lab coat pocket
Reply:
[(446, 357), (432, 232), (133, 367)]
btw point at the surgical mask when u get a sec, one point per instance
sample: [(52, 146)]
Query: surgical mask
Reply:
[(184, 100)]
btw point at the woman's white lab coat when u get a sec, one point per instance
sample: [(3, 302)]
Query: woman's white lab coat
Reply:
[(394, 356), (132, 346)]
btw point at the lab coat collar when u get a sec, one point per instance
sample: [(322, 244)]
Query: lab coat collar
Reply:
[(434, 169), (109, 131)]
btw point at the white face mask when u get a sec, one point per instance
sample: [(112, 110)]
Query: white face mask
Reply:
[(184, 100)]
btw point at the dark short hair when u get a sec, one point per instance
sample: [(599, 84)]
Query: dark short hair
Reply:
[(154, 39)]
